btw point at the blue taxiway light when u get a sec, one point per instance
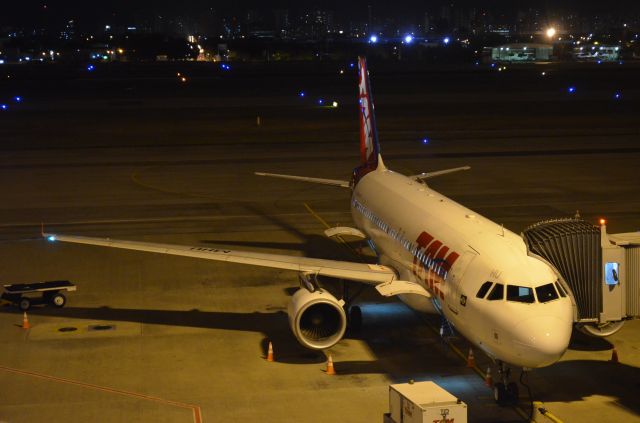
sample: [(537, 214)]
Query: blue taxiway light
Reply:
[(90, 68), (617, 96), (571, 90), (17, 99), (446, 40), (373, 39), (425, 140), (351, 65), (4, 106), (408, 39), (320, 101), (301, 94), (51, 238)]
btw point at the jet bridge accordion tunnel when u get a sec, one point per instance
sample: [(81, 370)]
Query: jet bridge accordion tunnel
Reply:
[(602, 271)]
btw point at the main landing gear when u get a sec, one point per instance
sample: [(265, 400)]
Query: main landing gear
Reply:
[(505, 392)]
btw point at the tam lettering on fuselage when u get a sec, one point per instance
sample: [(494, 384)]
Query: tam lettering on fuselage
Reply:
[(431, 263)]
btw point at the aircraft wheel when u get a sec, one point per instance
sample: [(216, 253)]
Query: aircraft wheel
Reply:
[(58, 300), (24, 304), (355, 318), (500, 393)]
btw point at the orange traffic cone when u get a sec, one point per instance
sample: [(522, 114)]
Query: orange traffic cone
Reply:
[(488, 380), (25, 321), (471, 360), (270, 353), (330, 368), (614, 356)]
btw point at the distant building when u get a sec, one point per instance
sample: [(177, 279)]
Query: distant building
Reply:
[(596, 52), (522, 52)]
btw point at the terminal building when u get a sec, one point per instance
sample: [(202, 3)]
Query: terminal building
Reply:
[(596, 52), (522, 52)]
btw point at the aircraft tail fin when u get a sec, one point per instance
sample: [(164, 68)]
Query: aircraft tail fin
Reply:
[(369, 145)]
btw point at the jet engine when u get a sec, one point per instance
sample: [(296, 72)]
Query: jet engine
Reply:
[(317, 319)]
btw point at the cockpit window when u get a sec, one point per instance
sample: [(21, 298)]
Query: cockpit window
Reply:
[(520, 294), (546, 293), (484, 289), (497, 293), (560, 290)]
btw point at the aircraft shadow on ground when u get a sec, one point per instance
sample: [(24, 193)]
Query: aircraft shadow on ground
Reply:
[(582, 342), (576, 380), (389, 333)]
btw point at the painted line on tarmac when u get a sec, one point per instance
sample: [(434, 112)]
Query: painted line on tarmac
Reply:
[(197, 412), (149, 220)]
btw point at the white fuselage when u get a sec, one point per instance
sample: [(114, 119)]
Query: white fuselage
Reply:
[(452, 252)]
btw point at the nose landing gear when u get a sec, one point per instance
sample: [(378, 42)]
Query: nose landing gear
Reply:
[(505, 392)]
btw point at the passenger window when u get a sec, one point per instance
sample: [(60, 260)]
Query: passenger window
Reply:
[(546, 293), (497, 293), (484, 289), (560, 289), (520, 294)]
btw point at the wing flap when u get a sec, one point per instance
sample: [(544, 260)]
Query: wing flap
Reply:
[(362, 272)]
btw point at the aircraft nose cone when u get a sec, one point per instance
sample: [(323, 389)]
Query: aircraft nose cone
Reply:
[(541, 341)]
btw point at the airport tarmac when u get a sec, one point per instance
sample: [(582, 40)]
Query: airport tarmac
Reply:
[(157, 338)]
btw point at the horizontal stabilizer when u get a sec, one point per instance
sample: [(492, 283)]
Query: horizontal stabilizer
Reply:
[(334, 182), (427, 175)]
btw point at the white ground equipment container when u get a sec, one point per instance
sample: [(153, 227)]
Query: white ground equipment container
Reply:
[(424, 402)]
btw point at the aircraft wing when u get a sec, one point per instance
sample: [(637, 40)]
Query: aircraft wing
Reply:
[(362, 272)]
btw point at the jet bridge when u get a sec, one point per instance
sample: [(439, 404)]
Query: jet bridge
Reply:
[(601, 272)]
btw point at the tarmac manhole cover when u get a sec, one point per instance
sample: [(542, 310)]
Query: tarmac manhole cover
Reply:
[(67, 329), (101, 327)]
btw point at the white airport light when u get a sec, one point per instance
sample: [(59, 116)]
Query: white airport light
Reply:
[(51, 238), (551, 32), (334, 104), (373, 39), (408, 38), (446, 40)]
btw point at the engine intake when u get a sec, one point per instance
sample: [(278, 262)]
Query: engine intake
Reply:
[(317, 319)]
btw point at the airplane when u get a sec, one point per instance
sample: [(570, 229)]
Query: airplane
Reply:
[(434, 254)]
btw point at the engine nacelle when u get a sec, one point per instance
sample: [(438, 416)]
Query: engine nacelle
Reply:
[(317, 319)]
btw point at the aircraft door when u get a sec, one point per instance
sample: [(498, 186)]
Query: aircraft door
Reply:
[(457, 300)]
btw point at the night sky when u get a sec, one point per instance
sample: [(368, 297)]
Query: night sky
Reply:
[(29, 12)]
